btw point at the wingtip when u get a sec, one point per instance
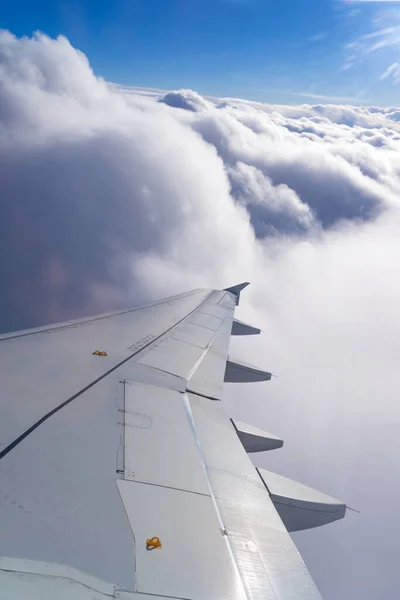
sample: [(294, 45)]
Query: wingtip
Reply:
[(236, 289)]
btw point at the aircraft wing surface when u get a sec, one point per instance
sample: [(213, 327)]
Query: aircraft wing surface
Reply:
[(121, 476)]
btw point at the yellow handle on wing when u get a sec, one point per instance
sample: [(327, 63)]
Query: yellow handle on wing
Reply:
[(153, 543)]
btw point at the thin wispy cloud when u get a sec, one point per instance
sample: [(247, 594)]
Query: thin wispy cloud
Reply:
[(333, 99), (392, 71), (379, 33), (388, 36), (349, 62), (318, 36), (379, 46)]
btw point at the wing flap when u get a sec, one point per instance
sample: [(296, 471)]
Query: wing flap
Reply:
[(159, 445), (194, 561)]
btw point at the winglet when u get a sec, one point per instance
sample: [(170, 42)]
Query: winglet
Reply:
[(236, 289)]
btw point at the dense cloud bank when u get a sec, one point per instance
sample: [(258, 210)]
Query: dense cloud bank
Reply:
[(110, 196), (102, 187)]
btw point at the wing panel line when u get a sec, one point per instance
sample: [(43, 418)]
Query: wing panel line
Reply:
[(168, 487), (52, 412)]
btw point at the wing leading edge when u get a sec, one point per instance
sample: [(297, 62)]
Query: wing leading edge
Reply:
[(103, 452)]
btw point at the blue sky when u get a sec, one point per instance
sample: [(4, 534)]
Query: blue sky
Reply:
[(278, 51)]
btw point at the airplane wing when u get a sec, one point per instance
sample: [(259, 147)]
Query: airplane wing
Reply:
[(122, 477)]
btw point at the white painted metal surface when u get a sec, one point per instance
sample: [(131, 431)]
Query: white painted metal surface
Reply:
[(123, 595), (255, 439), (162, 356), (34, 580), (22, 586), (207, 379), (194, 561), (193, 334), (207, 320), (159, 443), (299, 506), (59, 501), (197, 349), (41, 368)]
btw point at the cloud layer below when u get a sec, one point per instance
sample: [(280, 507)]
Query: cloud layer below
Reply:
[(112, 196)]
